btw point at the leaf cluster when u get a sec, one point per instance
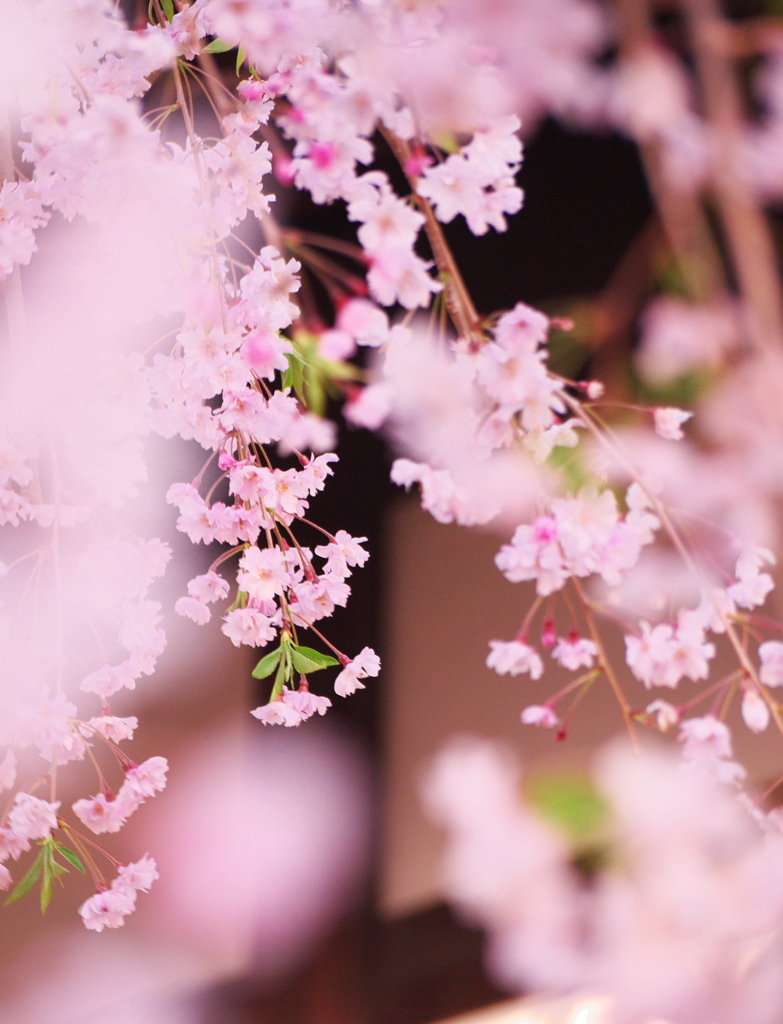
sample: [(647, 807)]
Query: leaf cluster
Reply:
[(313, 379), (47, 868), (287, 659), (571, 804), (221, 46)]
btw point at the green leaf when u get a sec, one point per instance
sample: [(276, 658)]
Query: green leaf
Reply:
[(673, 280), (305, 659), (46, 883), (217, 46), (283, 674), (71, 857), (305, 344), (296, 371), (267, 665), (315, 398), (573, 467), (684, 390), (28, 881), (342, 371), (571, 803), (241, 57), (447, 142), (168, 8)]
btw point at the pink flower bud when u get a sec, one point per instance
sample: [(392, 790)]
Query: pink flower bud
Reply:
[(548, 636)]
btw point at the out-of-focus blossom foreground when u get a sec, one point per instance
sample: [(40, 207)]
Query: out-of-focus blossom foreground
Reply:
[(149, 289)]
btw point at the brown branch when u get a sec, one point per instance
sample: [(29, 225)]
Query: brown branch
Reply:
[(682, 216), (748, 234), (222, 98), (458, 301), (752, 36), (612, 314)]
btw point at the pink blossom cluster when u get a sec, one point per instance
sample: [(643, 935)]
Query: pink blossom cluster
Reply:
[(230, 379), (29, 818), (662, 654), (185, 328), (668, 901), (498, 402), (72, 450), (328, 109), (504, 394), (479, 181), (237, 381), (51, 726), (107, 812), (279, 589), (109, 907), (136, 565), (21, 212), (582, 535)]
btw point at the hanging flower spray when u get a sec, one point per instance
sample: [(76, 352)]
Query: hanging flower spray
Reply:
[(149, 289)]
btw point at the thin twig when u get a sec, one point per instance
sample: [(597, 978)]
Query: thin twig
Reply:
[(748, 234), (460, 304)]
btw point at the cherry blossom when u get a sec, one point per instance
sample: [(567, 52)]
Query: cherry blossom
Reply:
[(575, 653), (633, 919), (752, 585), (707, 744), (755, 712), (107, 909), (306, 703), (139, 876), (279, 712), (366, 663), (539, 714), (101, 814), (32, 818), (148, 778), (771, 655), (46, 725), (342, 552), (668, 423), (666, 715), (514, 657), (663, 654), (679, 337), (208, 588), (190, 608), (263, 573), (248, 626), (11, 845), (21, 212), (478, 182)]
